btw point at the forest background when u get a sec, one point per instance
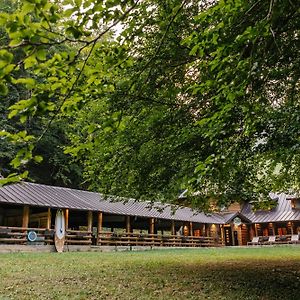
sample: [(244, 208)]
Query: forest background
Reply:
[(147, 99)]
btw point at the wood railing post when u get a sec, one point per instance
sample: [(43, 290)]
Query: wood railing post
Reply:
[(255, 230), (25, 220), (152, 226), (67, 218), (191, 229), (128, 224), (49, 218), (173, 228), (292, 229), (99, 227), (152, 229), (90, 221)]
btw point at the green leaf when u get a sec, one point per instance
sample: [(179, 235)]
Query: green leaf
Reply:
[(3, 89), (41, 54), (38, 158), (28, 82), (30, 62)]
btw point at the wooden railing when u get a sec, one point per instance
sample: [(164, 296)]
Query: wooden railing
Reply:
[(135, 239), (18, 235), (78, 237)]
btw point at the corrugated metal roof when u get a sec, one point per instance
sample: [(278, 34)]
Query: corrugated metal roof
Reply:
[(283, 212), (58, 197)]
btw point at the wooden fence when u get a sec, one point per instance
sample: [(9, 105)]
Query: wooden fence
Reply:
[(135, 239), (19, 235)]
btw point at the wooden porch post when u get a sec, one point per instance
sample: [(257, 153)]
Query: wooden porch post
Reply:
[(292, 229), (207, 230), (173, 227), (152, 225), (128, 224), (99, 227), (191, 229), (255, 229), (67, 218), (232, 234), (25, 220), (49, 218), (90, 221), (251, 232)]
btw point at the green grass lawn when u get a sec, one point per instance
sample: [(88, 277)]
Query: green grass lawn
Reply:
[(225, 273)]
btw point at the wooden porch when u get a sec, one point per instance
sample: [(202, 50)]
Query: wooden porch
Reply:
[(96, 228)]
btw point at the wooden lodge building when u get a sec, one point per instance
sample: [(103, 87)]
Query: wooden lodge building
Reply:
[(28, 217)]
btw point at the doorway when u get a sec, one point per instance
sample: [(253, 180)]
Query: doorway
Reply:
[(228, 235)]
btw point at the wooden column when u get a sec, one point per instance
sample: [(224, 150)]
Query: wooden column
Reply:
[(90, 221), (292, 229), (232, 234), (207, 230), (271, 225), (99, 227), (67, 218), (25, 220), (251, 232), (128, 224), (49, 218), (173, 227), (191, 229), (152, 226), (255, 229)]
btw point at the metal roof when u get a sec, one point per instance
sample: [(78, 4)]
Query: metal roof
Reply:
[(58, 197), (283, 212)]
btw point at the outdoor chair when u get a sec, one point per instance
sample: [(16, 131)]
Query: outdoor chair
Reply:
[(264, 240), (295, 239), (255, 241), (282, 239), (271, 240)]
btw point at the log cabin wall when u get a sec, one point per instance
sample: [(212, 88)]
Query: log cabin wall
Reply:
[(244, 234)]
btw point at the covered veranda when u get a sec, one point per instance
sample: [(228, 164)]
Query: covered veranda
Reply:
[(27, 217)]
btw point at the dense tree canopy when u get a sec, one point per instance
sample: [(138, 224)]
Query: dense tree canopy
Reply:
[(161, 96)]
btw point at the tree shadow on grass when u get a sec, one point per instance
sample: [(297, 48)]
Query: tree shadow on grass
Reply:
[(234, 280)]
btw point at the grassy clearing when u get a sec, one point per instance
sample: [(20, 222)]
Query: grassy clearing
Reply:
[(228, 273)]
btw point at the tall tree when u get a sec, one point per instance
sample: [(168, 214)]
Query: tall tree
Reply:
[(55, 167), (197, 96)]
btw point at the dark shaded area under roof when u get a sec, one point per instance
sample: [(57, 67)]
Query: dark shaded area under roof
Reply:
[(57, 197)]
